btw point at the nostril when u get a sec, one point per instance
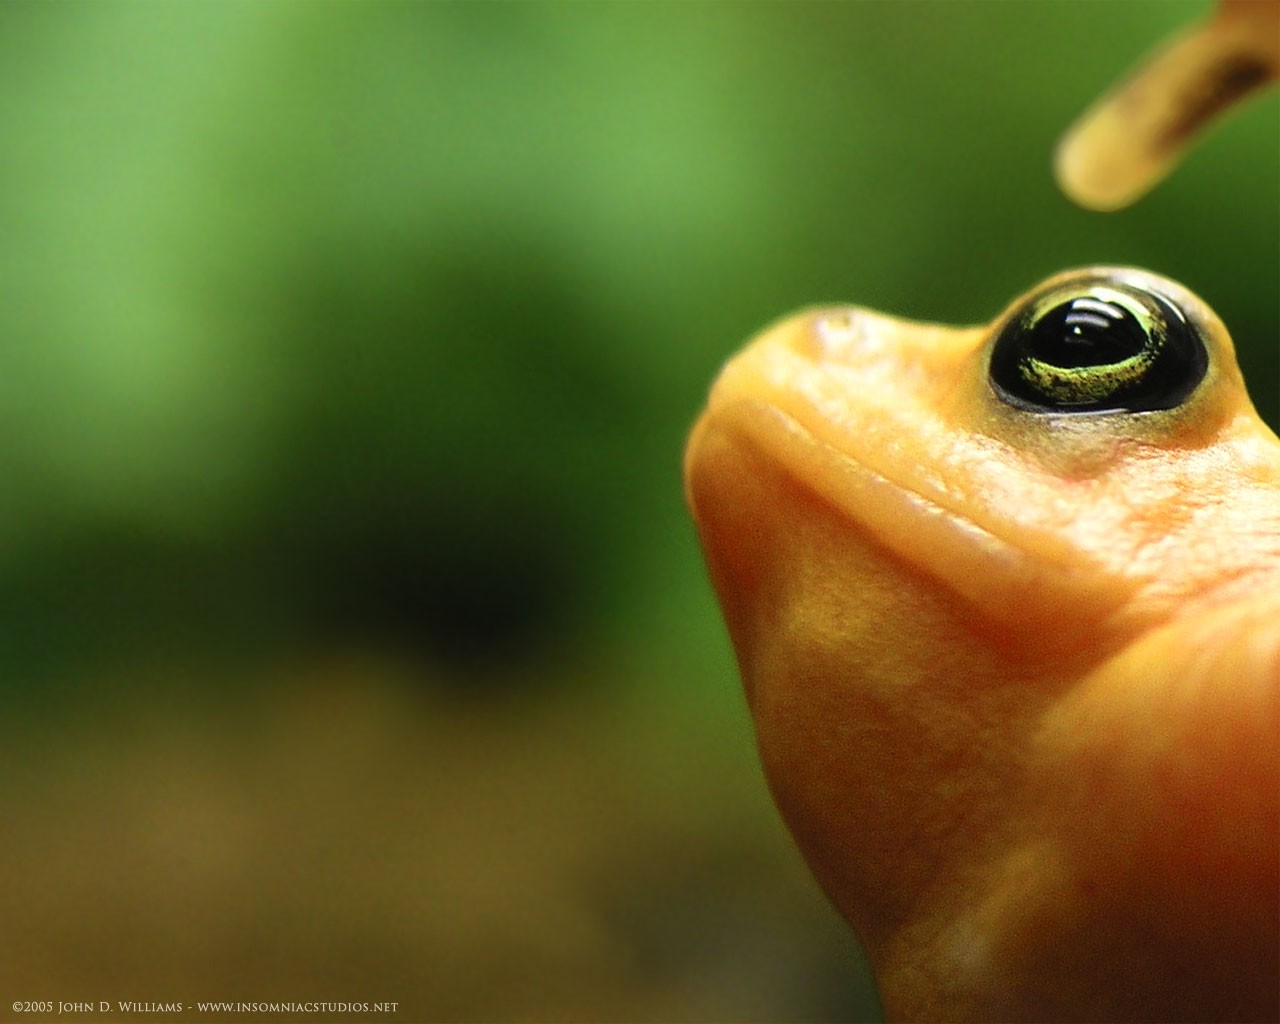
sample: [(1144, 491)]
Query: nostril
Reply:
[(842, 325), (838, 333)]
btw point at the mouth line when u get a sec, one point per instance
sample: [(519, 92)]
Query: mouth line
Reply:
[(997, 576)]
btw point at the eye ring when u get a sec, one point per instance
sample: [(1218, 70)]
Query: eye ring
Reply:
[(1097, 345)]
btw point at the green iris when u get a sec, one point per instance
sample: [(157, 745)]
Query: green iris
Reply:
[(1097, 346)]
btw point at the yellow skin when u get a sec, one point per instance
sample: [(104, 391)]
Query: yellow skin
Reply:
[(1015, 675)]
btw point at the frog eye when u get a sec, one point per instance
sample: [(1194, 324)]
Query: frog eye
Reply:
[(1097, 346)]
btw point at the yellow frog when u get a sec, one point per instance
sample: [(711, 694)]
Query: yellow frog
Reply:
[(1006, 603)]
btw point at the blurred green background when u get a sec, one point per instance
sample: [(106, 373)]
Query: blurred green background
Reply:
[(354, 642)]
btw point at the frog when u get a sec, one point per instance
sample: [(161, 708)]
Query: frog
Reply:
[(1005, 602), (1136, 133)]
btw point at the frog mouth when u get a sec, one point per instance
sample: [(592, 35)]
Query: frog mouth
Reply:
[(1009, 572), (1007, 580)]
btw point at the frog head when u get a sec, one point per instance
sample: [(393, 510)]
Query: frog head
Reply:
[(1006, 605)]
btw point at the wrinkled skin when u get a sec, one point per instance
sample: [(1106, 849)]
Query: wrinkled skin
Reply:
[(1015, 677)]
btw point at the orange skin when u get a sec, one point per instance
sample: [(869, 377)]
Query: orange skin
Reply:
[(1015, 677)]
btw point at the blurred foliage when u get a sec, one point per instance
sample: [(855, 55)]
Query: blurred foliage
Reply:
[(390, 318), (379, 326)]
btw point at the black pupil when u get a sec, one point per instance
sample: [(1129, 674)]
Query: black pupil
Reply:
[(1087, 331)]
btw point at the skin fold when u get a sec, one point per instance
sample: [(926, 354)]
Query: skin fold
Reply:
[(1015, 675), (1132, 137)]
